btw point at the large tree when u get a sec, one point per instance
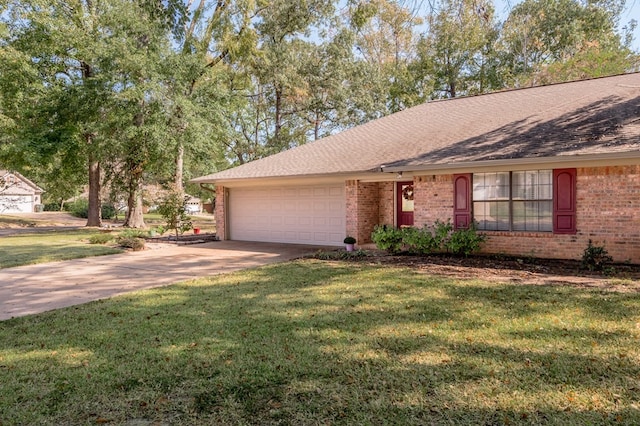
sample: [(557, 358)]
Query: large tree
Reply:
[(386, 39), (76, 48), (544, 41), (457, 50)]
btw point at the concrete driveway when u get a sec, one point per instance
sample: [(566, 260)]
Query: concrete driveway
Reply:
[(32, 289)]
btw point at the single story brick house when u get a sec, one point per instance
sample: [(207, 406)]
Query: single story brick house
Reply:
[(17, 193), (540, 170)]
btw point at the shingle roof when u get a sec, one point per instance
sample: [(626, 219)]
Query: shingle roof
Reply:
[(35, 187), (598, 116)]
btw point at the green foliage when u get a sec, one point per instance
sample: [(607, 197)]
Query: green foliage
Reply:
[(136, 244), (80, 208), (132, 233), (158, 229), (101, 238), (52, 207), (465, 241), (138, 86), (419, 241), (387, 238), (108, 211), (595, 258), (349, 240), (438, 238), (546, 41), (340, 255), (173, 208)]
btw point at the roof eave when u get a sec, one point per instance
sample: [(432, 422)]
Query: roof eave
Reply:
[(584, 160), (272, 180)]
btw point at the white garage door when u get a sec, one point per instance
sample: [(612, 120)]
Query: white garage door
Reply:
[(16, 204), (300, 214)]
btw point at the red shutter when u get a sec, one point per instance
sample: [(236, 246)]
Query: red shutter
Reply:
[(461, 201), (564, 201)]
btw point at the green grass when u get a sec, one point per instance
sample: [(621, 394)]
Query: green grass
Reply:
[(206, 222), (41, 247), (311, 342)]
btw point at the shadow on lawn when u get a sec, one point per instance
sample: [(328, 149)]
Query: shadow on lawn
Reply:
[(304, 343)]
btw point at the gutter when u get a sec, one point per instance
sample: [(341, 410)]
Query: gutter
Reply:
[(616, 158)]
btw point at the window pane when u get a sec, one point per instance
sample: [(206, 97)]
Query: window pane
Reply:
[(492, 216), (531, 193), (532, 185), (481, 215), (518, 216), (532, 216), (519, 186), (491, 186), (545, 212), (407, 198)]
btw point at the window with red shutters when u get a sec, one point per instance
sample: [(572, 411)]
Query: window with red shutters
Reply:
[(564, 201), (537, 201), (462, 201)]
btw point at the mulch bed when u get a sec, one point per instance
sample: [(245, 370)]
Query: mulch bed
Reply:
[(619, 277), (184, 239)]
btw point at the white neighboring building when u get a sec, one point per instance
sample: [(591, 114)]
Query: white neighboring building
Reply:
[(193, 205), (18, 194)]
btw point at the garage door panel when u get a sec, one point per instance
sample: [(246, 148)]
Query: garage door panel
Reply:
[(335, 222), (16, 204), (308, 215)]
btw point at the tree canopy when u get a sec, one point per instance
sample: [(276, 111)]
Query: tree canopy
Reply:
[(114, 94)]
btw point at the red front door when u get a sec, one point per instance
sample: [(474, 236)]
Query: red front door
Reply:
[(404, 197)]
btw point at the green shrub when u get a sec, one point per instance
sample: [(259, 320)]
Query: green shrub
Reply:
[(108, 211), (80, 208), (438, 238), (100, 238), (419, 241), (133, 233), (339, 255), (52, 207), (387, 238), (134, 243), (465, 241), (442, 233), (173, 208), (595, 258)]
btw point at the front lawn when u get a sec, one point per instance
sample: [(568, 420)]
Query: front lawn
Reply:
[(41, 247), (311, 342)]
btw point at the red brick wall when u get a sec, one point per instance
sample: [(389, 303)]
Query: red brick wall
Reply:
[(362, 203), (433, 199), (220, 212), (608, 212), (386, 213)]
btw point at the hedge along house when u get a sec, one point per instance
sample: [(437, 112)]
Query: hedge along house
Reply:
[(540, 170)]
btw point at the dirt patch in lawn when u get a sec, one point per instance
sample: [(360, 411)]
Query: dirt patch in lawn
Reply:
[(619, 277), (43, 219)]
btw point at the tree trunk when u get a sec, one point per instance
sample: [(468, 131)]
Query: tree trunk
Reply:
[(135, 218), (179, 167), (278, 113), (94, 217)]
